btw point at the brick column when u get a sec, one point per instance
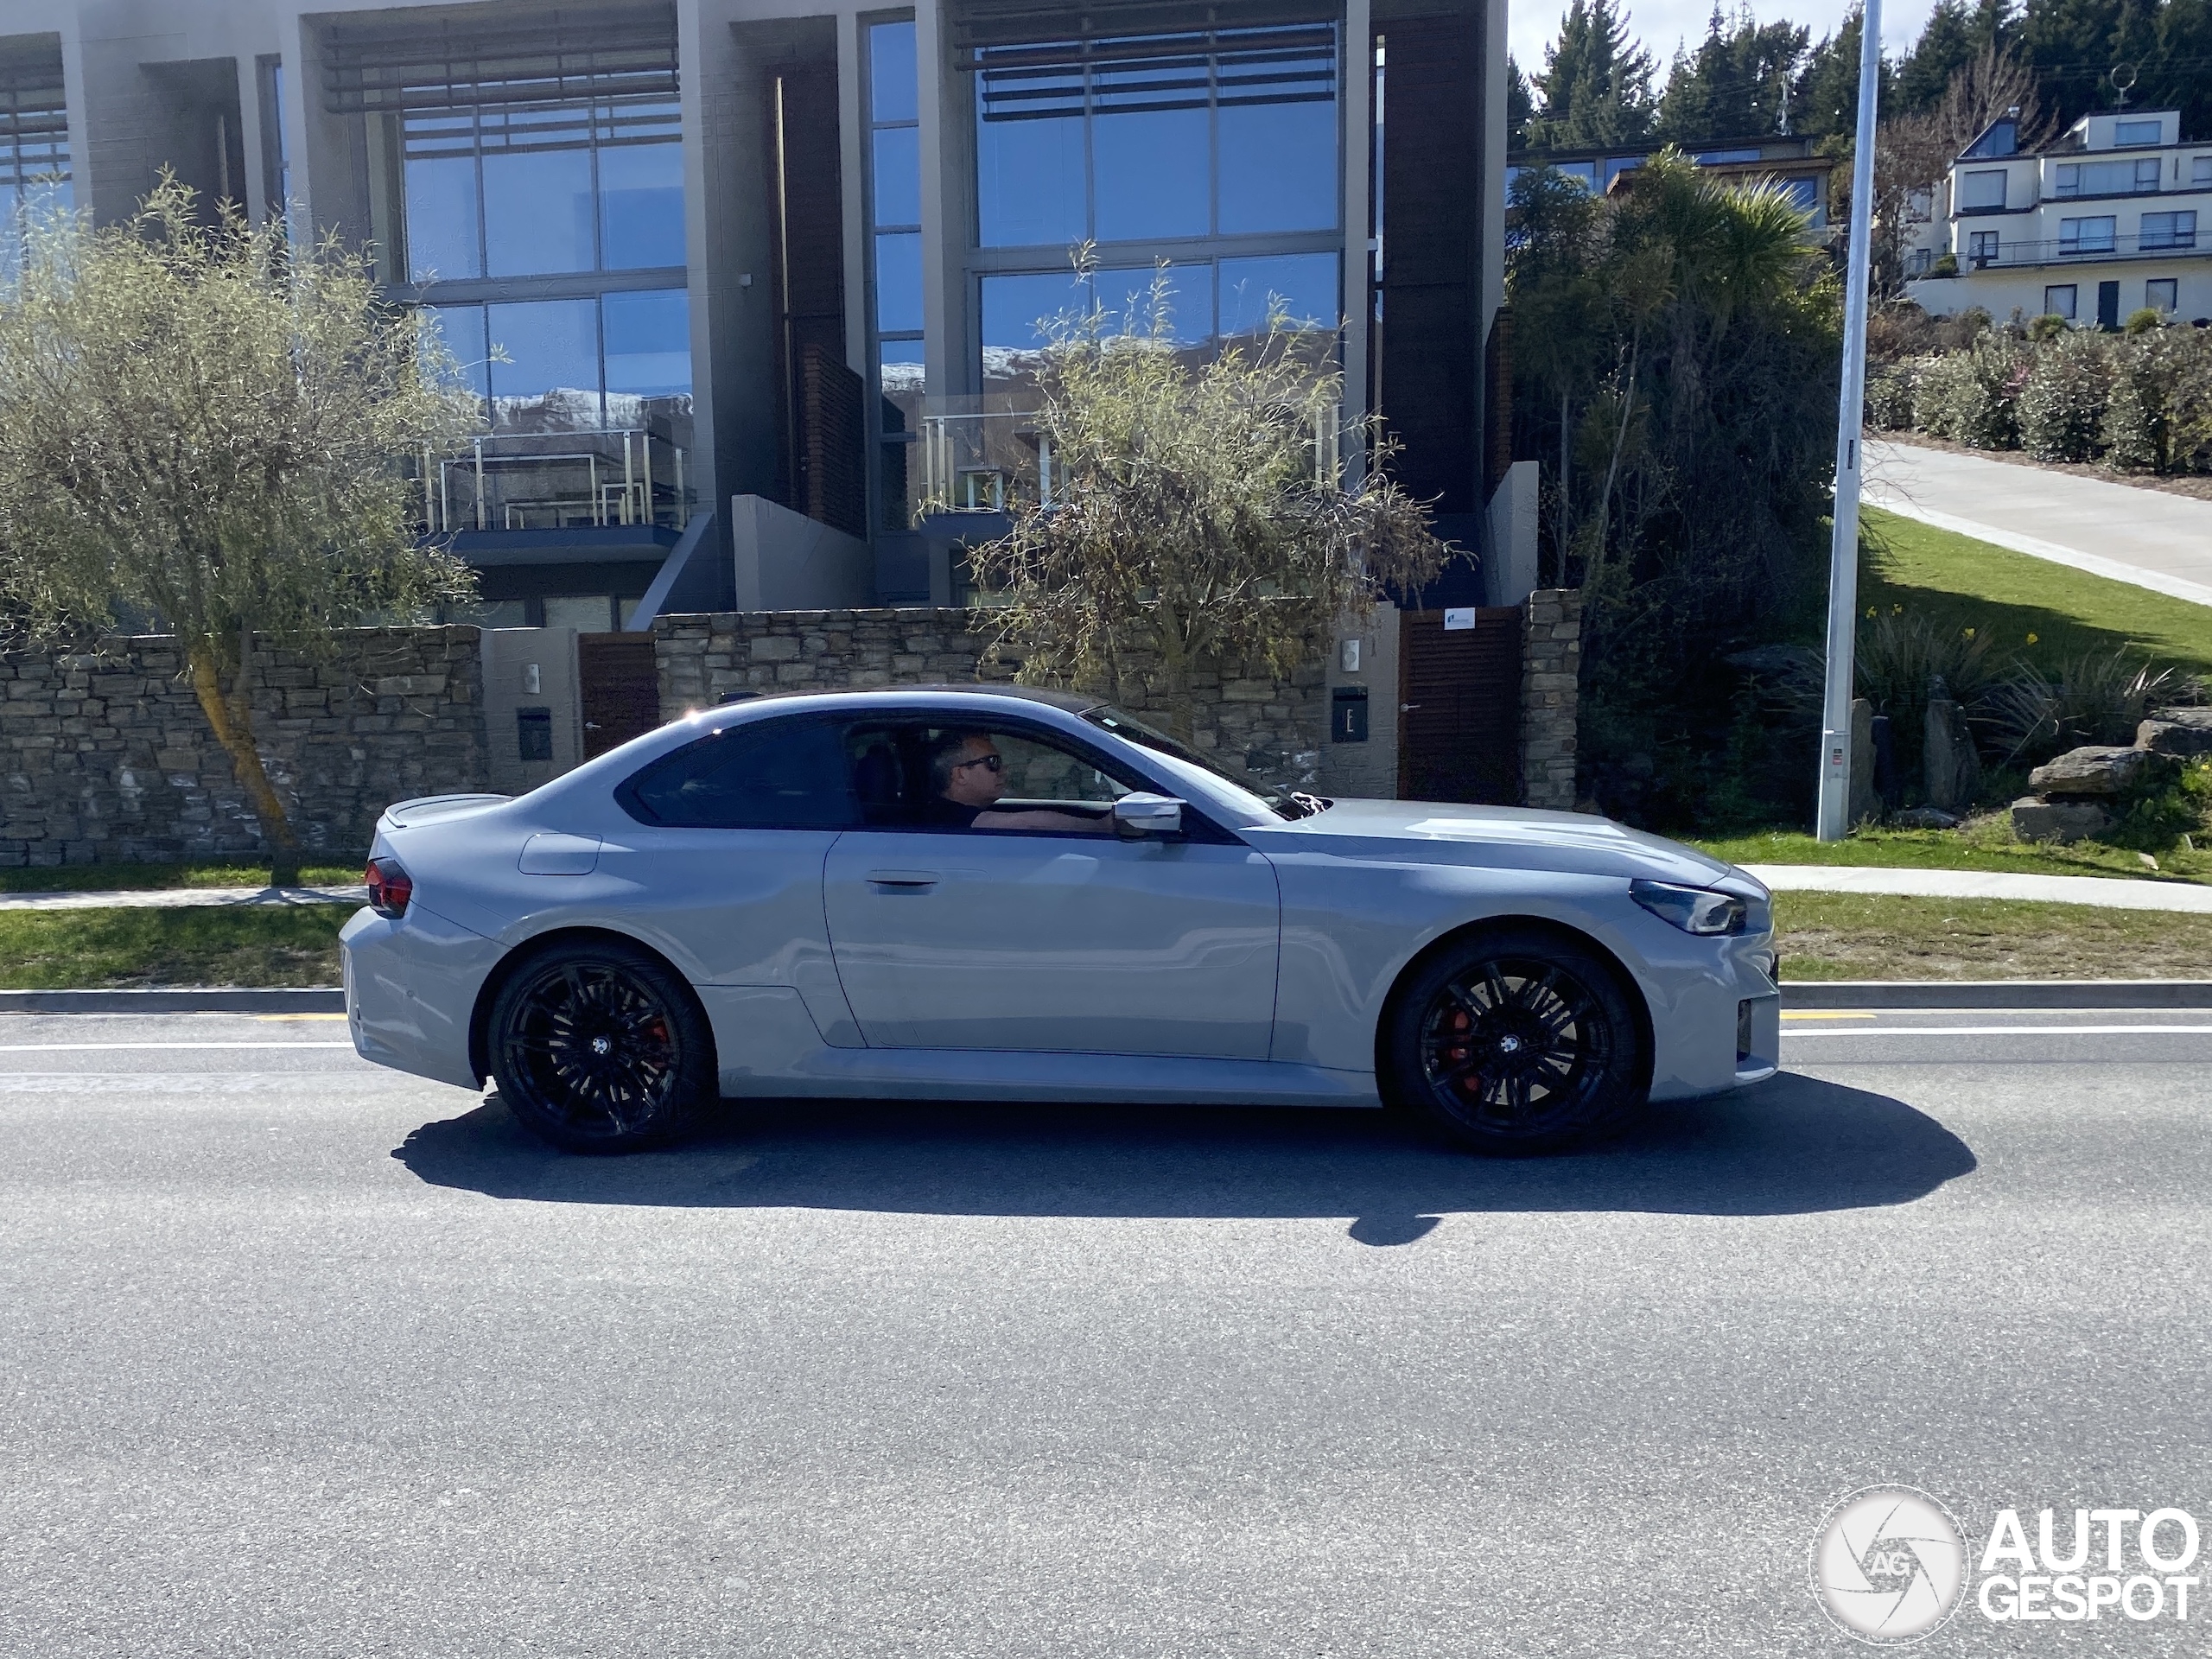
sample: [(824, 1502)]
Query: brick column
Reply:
[(1551, 669)]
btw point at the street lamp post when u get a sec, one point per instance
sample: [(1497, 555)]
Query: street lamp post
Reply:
[(1834, 817)]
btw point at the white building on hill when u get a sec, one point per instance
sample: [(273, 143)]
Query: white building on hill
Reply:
[(2099, 224)]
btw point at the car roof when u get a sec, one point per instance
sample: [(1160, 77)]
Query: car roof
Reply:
[(1068, 702)]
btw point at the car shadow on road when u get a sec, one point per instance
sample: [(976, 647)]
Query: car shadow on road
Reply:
[(1789, 1145)]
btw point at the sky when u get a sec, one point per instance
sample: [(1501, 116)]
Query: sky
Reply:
[(1663, 24)]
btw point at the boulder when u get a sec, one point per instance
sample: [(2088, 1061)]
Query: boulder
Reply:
[(2097, 770), (1923, 817), (2175, 731), (1949, 761), (2040, 820), (1864, 804)]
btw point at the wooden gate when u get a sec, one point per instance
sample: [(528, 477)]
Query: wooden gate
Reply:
[(618, 685), (1460, 718)]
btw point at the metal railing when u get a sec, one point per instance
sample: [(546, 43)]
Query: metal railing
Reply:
[(558, 480), (2060, 251), (980, 459)]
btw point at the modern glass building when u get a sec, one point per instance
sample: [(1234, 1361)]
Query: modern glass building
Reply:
[(753, 295)]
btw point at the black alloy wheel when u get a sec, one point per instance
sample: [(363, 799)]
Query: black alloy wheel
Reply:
[(597, 1047), (1517, 1042)]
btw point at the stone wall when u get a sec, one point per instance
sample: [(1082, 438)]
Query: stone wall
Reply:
[(1551, 676), (105, 754), (1271, 729)]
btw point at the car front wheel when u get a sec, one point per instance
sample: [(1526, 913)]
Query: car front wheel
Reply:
[(598, 1047), (1516, 1042)]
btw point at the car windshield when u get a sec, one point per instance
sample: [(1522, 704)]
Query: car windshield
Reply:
[(1262, 797)]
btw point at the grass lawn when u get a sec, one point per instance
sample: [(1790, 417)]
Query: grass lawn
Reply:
[(1972, 584), (86, 950), (204, 872), (1828, 936), (1986, 844)]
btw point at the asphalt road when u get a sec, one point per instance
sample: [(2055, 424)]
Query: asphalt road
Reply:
[(300, 1358)]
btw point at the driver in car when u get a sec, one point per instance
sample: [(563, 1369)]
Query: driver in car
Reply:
[(967, 776)]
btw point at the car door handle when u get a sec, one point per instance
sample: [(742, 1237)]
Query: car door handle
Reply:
[(903, 880)]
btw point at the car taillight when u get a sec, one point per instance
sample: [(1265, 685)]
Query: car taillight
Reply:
[(390, 887)]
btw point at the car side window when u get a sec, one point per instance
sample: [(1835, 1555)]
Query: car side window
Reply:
[(784, 775), (983, 778)]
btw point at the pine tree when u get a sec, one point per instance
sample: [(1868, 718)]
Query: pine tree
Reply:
[(1943, 48), (1520, 107), (1596, 87), (1737, 83)]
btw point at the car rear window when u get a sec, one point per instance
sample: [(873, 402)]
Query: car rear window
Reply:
[(780, 775)]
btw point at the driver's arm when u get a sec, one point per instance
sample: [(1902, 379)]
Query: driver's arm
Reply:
[(1044, 818)]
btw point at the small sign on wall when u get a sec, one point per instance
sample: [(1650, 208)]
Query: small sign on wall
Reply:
[(1458, 619), (1348, 715)]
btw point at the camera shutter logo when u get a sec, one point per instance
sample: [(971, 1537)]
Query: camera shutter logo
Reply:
[(1889, 1565)]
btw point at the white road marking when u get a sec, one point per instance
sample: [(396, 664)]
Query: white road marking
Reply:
[(99, 1048), (1999, 1031)]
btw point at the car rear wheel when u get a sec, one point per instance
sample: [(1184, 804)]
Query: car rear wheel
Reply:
[(598, 1047), (1516, 1042)]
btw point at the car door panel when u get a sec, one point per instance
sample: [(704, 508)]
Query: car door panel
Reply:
[(1054, 942)]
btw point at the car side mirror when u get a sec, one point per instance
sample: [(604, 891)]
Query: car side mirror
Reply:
[(1148, 815)]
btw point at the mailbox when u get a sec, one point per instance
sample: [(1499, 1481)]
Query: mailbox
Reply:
[(1348, 715)]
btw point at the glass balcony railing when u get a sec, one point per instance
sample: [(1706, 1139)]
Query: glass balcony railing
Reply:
[(991, 455), (558, 480)]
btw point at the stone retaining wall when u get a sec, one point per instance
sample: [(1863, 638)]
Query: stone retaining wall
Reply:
[(105, 754), (1271, 729), (1551, 678)]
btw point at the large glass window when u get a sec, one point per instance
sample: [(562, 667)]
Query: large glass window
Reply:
[(895, 219), (500, 191), (2086, 235), (33, 141), (2169, 229), (1157, 138), (2108, 178), (617, 359)]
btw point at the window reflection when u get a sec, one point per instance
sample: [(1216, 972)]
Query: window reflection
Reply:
[(648, 340), (1306, 284), (892, 83), (899, 176), (501, 191), (1030, 182), (537, 212), (1278, 167), (550, 378), (641, 205), (899, 282), (1227, 132)]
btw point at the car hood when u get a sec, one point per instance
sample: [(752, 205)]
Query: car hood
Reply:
[(1451, 832)]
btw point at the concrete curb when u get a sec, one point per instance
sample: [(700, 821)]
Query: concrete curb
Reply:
[(181, 1000), (1998, 994)]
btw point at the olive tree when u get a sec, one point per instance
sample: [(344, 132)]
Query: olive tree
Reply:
[(1197, 510), (202, 427)]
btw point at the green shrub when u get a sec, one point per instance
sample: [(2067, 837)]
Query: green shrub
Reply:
[(2048, 326), (1972, 397), (2160, 418), (2175, 802), (2099, 697), (1946, 264), (2145, 321), (1898, 657), (1889, 398), (2062, 408)]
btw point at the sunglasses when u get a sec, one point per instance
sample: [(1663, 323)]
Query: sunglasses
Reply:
[(993, 762)]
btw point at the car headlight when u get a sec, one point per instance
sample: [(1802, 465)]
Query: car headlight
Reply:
[(1694, 910)]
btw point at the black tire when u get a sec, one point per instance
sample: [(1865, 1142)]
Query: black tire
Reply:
[(1515, 1041), (598, 1047)]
